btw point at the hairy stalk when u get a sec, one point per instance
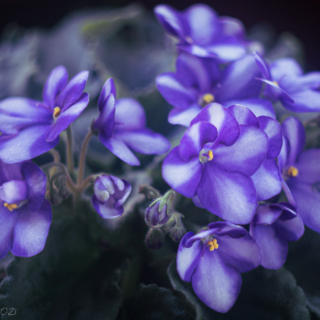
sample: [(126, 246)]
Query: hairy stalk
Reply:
[(82, 160), (69, 151)]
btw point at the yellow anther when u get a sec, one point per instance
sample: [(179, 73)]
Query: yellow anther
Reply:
[(205, 156), (276, 83), (11, 206), (208, 98), (213, 244), (56, 112), (292, 171), (210, 154)]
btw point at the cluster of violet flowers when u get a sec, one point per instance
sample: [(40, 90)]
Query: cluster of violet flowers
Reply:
[(234, 158)]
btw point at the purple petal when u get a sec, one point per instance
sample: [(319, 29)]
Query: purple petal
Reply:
[(263, 67), (215, 283), (288, 193), (183, 117), (120, 150), (183, 177), (196, 73), (171, 88), (10, 172), (26, 145), (31, 230), (267, 180), (196, 50), (291, 230), (308, 165), (293, 130), (72, 91), (283, 155), (129, 115), (106, 120), (242, 253), (188, 257), (266, 214), (56, 81), (274, 92), (19, 113), (232, 88), (171, 20), (229, 195), (303, 101), (273, 249), (273, 130), (285, 67), (144, 141), (222, 228), (244, 115), (195, 138), (202, 21), (13, 191), (197, 202), (66, 117), (107, 89), (258, 106), (246, 154), (36, 180), (226, 124), (227, 49), (308, 203), (232, 27), (107, 210), (7, 222)]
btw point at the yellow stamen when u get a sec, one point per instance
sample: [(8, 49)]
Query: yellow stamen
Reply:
[(56, 112), (213, 244), (210, 154), (208, 98), (292, 171), (10, 206), (276, 83), (205, 156)]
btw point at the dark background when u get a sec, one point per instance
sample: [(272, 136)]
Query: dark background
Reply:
[(301, 17)]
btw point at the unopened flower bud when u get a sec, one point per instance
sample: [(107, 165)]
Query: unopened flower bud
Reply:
[(155, 239), (156, 217), (177, 233)]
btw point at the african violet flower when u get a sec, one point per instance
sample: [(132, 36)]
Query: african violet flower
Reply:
[(198, 82), (213, 261), (286, 82), (215, 159), (110, 193), (25, 216), (301, 173), (121, 126), (30, 128), (202, 33), (273, 226)]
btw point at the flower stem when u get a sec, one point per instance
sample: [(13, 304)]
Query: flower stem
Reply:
[(55, 154), (69, 151), (82, 160)]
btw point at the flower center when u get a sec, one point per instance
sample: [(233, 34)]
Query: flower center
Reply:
[(188, 39), (10, 206), (276, 83), (213, 244), (205, 156), (206, 99), (292, 171), (56, 112)]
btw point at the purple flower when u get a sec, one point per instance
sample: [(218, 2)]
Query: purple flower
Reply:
[(198, 82), (110, 193), (122, 126), (30, 128), (301, 173), (273, 226), (156, 216), (25, 216), (286, 82), (202, 33), (215, 159), (213, 261)]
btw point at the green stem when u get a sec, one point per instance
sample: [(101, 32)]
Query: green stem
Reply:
[(69, 151), (82, 160), (55, 154)]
